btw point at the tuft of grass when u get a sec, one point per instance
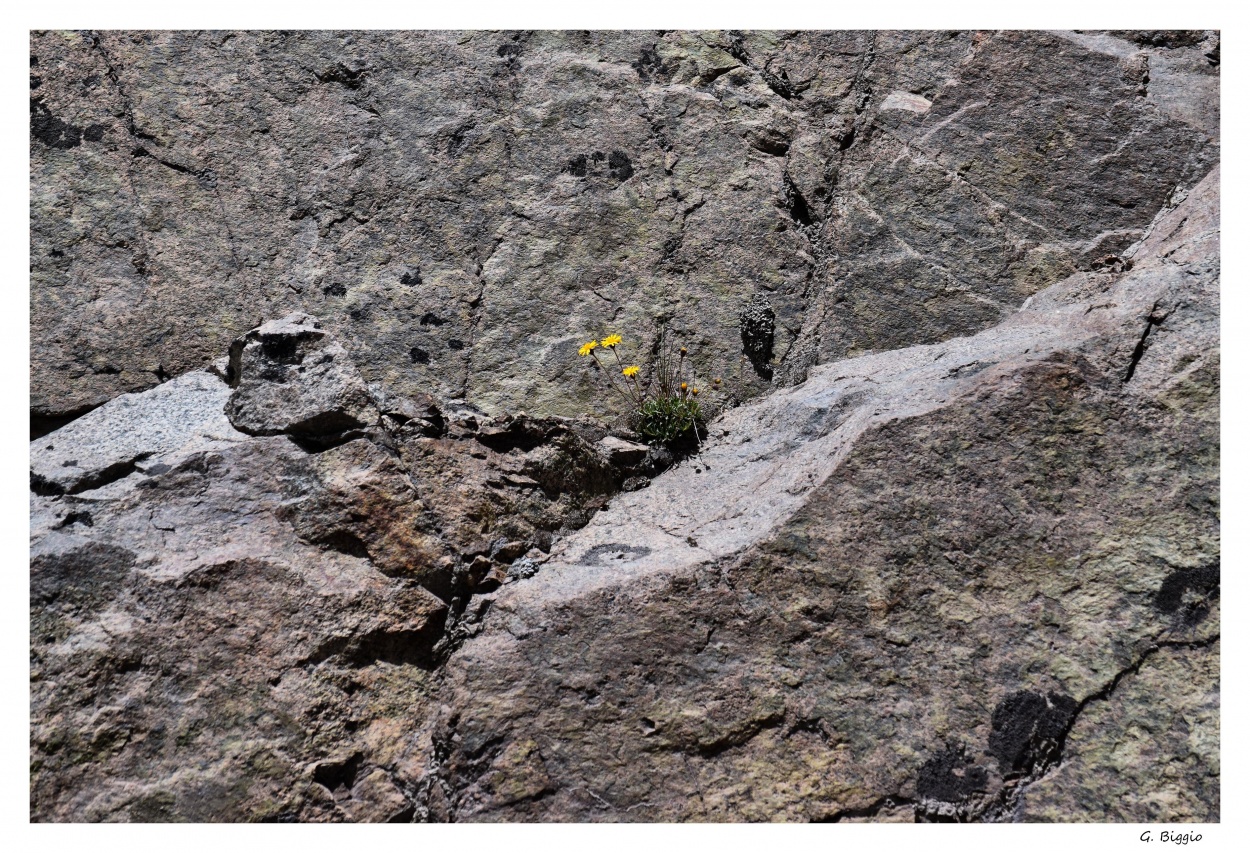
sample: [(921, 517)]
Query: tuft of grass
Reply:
[(669, 420)]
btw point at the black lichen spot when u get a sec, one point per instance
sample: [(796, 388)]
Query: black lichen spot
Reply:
[(650, 66), (50, 130), (334, 290), (56, 253), (358, 314), (419, 356), (671, 245), (35, 82), (601, 554), (577, 166), (1027, 730), (757, 322), (410, 277), (1187, 594), (456, 139), (455, 343), (598, 156), (431, 319), (619, 166), (951, 777), (93, 133), (509, 50)]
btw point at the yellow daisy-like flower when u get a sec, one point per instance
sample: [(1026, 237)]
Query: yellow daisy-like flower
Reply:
[(586, 348), (631, 370), (611, 340)]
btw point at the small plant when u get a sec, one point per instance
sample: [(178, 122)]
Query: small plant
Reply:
[(666, 408)]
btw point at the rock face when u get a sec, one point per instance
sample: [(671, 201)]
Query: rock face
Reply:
[(228, 626), (462, 209), (951, 552), (951, 582)]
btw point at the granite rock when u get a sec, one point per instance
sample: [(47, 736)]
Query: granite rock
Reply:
[(957, 581), (462, 209)]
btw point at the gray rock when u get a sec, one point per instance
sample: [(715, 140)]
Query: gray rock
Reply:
[(146, 432), (290, 376), (622, 453)]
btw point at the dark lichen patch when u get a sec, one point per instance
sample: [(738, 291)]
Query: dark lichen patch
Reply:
[(619, 166), (1187, 594), (757, 323), (52, 131), (334, 290), (951, 776), (650, 66), (429, 318), (455, 344), (419, 356), (1027, 730), (410, 277), (158, 807)]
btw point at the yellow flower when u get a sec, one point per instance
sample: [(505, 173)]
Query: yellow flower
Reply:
[(631, 370), (694, 391), (683, 386), (611, 340), (586, 348)]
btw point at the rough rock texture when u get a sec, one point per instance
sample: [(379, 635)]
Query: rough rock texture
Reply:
[(290, 377), (464, 208), (955, 557), (968, 581), (236, 627)]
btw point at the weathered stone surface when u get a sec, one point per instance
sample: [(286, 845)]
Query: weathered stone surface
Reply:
[(134, 432), (245, 627), (914, 584), (463, 209), (961, 562), (289, 376)]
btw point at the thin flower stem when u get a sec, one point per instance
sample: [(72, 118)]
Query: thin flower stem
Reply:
[(612, 380)]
